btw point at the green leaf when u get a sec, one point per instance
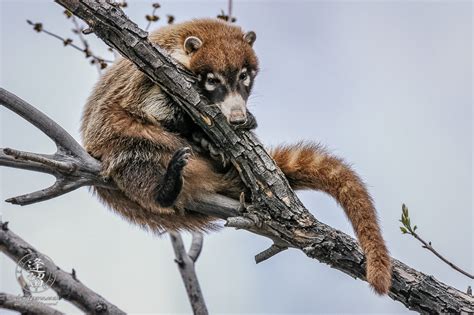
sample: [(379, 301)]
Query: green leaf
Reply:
[(404, 231)]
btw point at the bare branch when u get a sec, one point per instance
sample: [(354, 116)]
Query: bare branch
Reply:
[(72, 166), (196, 246), (65, 285), (429, 247), (25, 305), (185, 264), (408, 229), (269, 253)]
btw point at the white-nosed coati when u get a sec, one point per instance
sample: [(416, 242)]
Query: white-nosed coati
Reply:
[(143, 140)]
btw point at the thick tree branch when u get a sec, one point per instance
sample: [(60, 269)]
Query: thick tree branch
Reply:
[(25, 305), (185, 262), (65, 284)]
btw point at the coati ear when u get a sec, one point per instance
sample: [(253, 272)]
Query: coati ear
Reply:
[(250, 37), (191, 44)]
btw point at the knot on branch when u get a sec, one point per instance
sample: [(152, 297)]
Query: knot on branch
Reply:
[(100, 307), (5, 226)]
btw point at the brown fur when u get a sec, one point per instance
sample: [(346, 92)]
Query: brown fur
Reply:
[(122, 128), (308, 166)]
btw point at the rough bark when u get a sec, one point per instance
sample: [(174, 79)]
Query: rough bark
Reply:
[(66, 285)]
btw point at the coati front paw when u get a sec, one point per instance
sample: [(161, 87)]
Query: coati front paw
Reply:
[(250, 124), (172, 182)]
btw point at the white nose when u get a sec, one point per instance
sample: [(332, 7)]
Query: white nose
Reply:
[(237, 117), (234, 109)]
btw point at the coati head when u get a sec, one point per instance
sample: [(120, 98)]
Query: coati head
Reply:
[(221, 56)]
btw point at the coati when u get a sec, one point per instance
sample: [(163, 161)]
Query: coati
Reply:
[(144, 141)]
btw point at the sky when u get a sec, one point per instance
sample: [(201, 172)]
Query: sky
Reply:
[(387, 85)]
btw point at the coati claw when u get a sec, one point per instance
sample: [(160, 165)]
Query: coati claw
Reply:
[(180, 159), (243, 205), (205, 144)]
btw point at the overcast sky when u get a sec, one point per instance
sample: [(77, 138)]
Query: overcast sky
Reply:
[(385, 84)]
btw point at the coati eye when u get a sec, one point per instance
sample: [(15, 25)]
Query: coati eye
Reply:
[(212, 81), (243, 76)]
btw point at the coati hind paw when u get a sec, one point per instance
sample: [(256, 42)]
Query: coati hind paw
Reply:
[(180, 159), (172, 182)]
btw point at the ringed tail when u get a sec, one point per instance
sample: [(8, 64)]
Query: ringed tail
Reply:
[(309, 166)]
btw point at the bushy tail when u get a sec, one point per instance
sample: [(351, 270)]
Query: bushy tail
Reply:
[(309, 166)]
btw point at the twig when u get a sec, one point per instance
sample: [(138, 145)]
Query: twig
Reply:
[(25, 305), (408, 229), (185, 262), (269, 253), (64, 283), (152, 17), (229, 9), (99, 61), (196, 246), (79, 31)]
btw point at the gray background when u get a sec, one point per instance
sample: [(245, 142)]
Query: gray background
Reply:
[(385, 84)]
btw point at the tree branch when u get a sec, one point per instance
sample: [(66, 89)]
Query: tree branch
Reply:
[(25, 305), (72, 166), (65, 284), (185, 262)]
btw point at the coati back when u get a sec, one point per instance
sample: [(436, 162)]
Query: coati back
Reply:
[(143, 140)]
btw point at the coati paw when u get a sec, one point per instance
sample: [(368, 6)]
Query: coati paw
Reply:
[(250, 124), (172, 182), (180, 159)]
